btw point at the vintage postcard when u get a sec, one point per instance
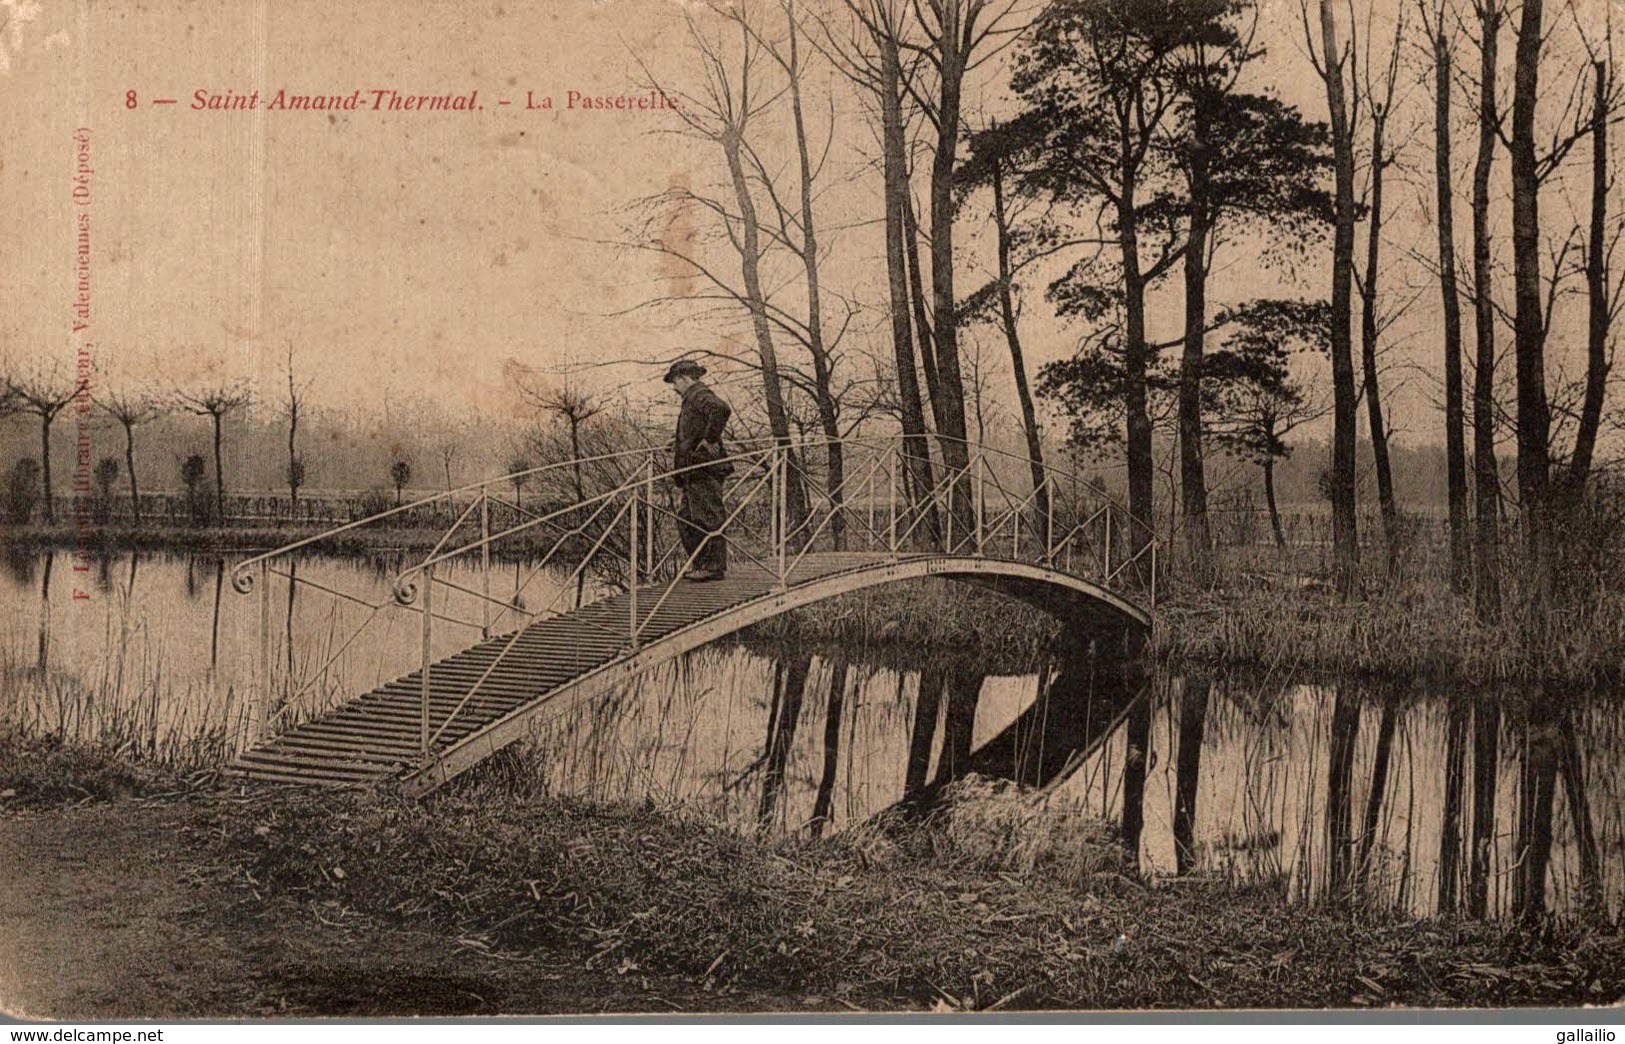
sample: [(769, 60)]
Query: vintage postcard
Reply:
[(542, 507)]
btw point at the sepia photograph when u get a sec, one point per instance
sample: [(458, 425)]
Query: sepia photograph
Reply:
[(817, 508)]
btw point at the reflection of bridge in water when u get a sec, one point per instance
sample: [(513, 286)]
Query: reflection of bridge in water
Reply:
[(796, 538)]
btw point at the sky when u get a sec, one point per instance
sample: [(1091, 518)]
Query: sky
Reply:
[(403, 256)]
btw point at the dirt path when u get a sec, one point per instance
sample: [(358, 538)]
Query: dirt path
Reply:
[(120, 911)]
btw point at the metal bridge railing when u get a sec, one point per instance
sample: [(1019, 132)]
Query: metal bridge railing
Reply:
[(612, 521)]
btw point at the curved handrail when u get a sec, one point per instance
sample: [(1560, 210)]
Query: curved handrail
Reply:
[(402, 578), (243, 580)]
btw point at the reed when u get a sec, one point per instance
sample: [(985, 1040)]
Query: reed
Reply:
[(930, 614), (125, 707), (1276, 609)]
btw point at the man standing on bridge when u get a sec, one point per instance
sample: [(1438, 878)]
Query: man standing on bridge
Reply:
[(698, 458)]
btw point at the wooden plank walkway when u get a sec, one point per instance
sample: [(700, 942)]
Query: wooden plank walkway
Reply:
[(377, 735)]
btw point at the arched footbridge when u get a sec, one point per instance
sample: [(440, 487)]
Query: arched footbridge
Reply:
[(605, 533)]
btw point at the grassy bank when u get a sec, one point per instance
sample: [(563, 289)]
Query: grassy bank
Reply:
[(122, 536), (919, 618), (1004, 909), (1279, 610)]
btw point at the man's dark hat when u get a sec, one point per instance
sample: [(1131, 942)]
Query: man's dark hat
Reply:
[(684, 368)]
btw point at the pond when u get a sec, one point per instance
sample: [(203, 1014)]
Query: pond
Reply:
[(1287, 782)]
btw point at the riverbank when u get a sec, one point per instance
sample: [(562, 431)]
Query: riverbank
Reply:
[(176, 897), (1409, 627), (106, 538)]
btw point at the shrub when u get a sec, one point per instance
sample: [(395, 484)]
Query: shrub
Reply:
[(22, 491), (192, 471)]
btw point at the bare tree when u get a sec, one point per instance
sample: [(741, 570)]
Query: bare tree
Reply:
[(131, 409), (570, 405), (1486, 474), (1379, 98), (957, 38), (43, 392), (294, 405), (216, 401), (400, 473), (1333, 61), (1435, 16), (1602, 299), (959, 35), (797, 231), (1534, 419), (872, 57)]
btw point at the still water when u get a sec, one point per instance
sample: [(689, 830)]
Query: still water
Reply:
[(1285, 781)]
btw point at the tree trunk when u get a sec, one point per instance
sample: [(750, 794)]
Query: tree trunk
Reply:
[(1486, 762), (1345, 730), (1141, 464), (129, 467), (42, 658), (834, 481), (1455, 770), (1018, 366), (1454, 410), (45, 464), (219, 472), (1579, 806), (1585, 439), (944, 306), (1192, 478), (824, 801), (1192, 725), (963, 692), (923, 325), (927, 708), (1486, 475), (916, 465), (750, 254), (781, 736), (1368, 349), (1269, 498), (1138, 736), (293, 458), (1534, 420), (1536, 790), (1379, 789), (1345, 534)]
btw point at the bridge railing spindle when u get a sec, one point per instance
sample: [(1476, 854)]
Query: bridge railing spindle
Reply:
[(649, 518), (485, 562), (428, 635), (979, 480), (635, 493), (782, 510), (262, 704), (892, 461), (1049, 521), (1107, 574)]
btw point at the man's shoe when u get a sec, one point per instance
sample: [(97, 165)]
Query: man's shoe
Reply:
[(701, 576)]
